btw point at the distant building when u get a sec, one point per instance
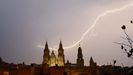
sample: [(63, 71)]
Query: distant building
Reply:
[(46, 56), (60, 59), (55, 65), (51, 60), (80, 60)]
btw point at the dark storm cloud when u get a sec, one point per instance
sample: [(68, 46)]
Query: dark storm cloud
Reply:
[(17, 34)]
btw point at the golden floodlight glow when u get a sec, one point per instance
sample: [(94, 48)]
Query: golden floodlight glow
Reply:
[(93, 25)]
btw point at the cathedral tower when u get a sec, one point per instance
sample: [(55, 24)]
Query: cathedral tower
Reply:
[(92, 63), (93, 67), (61, 59), (80, 60), (46, 55), (52, 59)]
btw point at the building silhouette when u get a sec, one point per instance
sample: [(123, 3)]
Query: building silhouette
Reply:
[(55, 65), (46, 56), (80, 60)]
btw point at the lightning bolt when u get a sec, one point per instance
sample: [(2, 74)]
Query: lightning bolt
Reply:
[(93, 25)]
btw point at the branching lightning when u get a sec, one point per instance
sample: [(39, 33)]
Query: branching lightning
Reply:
[(93, 25)]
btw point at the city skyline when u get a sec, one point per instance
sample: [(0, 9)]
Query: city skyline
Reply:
[(26, 24)]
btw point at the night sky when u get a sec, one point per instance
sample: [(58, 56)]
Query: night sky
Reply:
[(25, 24)]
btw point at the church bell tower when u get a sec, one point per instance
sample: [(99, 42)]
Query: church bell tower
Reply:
[(46, 55), (52, 59), (80, 60), (61, 59)]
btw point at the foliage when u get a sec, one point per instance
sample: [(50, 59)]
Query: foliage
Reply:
[(127, 47)]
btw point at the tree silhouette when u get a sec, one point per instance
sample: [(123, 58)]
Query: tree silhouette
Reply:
[(127, 47)]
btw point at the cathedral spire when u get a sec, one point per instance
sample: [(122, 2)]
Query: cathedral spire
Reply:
[(46, 45), (61, 59), (80, 55), (80, 60), (60, 45), (91, 60), (46, 55), (52, 59), (92, 63)]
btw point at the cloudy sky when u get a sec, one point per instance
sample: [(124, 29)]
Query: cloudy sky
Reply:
[(25, 24)]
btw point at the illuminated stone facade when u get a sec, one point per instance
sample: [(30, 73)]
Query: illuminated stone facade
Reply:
[(46, 56), (61, 59), (51, 60), (55, 65)]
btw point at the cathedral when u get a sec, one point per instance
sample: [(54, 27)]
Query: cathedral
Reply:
[(52, 60), (55, 65)]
